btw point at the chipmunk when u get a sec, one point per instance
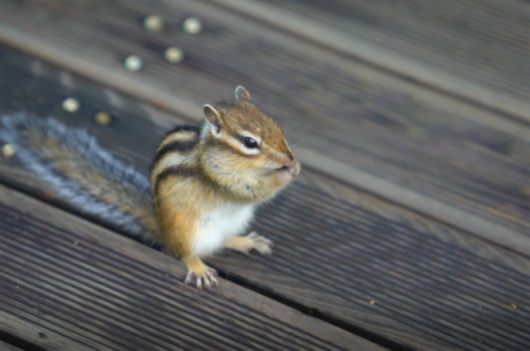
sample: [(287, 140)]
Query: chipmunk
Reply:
[(205, 182)]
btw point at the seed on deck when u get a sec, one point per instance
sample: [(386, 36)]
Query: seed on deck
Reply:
[(103, 118), (71, 105), (192, 25), (154, 23), (8, 151), (133, 63), (174, 54)]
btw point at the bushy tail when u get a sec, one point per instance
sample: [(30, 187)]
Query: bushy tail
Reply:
[(84, 173)]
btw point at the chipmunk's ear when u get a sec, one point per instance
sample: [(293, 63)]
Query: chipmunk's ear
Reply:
[(242, 94), (214, 118)]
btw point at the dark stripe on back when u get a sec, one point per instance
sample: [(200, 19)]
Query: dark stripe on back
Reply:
[(186, 128), (179, 146), (180, 171)]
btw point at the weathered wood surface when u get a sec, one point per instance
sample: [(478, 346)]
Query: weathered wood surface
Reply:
[(77, 286), (461, 164), (337, 249), (477, 49), (8, 347)]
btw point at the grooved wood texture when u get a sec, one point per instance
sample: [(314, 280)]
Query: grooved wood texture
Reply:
[(94, 290), (337, 249), (477, 49), (460, 164)]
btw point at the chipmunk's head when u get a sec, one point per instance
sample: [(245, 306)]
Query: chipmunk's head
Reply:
[(245, 150)]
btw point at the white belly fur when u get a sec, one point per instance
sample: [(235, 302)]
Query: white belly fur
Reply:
[(216, 226)]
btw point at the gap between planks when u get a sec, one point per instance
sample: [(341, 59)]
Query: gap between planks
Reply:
[(8, 347)]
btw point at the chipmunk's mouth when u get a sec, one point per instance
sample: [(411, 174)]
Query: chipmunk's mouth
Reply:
[(288, 172)]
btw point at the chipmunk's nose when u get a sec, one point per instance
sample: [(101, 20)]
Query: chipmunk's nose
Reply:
[(289, 171), (293, 168)]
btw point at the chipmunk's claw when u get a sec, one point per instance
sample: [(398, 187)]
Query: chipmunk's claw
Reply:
[(259, 243), (203, 281)]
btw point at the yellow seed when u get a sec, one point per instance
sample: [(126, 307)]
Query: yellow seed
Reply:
[(192, 25), (8, 150), (70, 105), (133, 63), (103, 118), (372, 302), (174, 54), (153, 23)]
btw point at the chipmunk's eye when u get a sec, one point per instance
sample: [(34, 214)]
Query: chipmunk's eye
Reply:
[(250, 143)]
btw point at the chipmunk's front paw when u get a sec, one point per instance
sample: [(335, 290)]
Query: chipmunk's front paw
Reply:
[(259, 243), (253, 241), (204, 280)]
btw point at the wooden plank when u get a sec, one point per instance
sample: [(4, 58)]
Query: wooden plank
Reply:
[(27, 327), (451, 161), (476, 49), (337, 248), (68, 284), (7, 347)]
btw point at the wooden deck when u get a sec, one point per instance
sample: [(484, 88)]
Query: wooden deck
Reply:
[(408, 229)]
